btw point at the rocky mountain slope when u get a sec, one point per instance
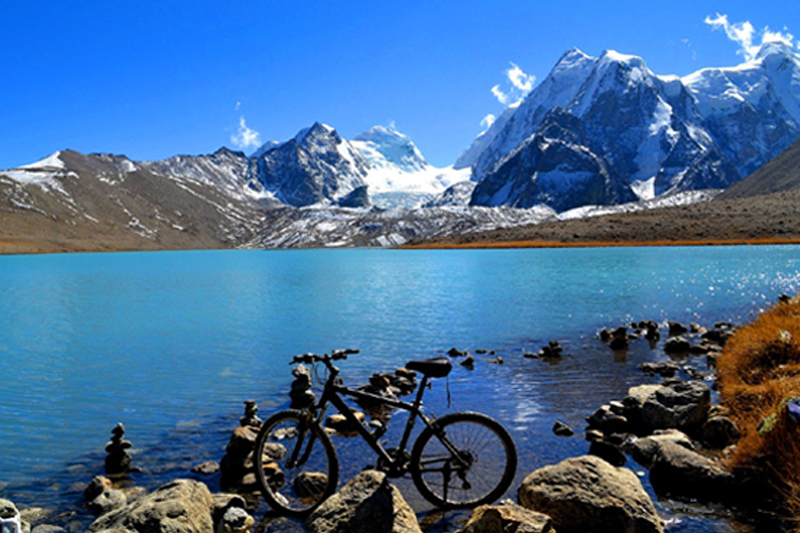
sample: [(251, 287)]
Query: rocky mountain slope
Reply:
[(780, 174), (606, 130), (70, 201)]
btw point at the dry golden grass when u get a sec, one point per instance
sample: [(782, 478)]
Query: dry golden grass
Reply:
[(758, 370)]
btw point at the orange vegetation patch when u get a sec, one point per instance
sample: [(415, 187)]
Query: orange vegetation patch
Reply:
[(758, 371), (594, 244)]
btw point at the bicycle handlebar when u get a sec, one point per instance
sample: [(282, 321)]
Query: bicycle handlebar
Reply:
[(336, 355)]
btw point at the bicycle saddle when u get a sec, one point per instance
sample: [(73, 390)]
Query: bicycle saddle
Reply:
[(435, 367)]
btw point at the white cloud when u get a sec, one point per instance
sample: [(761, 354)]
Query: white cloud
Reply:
[(487, 121), (521, 85), (246, 137), (519, 79), (745, 35)]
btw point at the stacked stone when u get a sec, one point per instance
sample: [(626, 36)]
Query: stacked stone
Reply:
[(118, 461), (301, 394), (250, 417), (236, 467)]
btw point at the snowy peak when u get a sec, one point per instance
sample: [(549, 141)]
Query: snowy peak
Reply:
[(384, 147), (776, 51), (398, 175), (317, 135), (316, 167)]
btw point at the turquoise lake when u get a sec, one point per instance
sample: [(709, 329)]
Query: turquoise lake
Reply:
[(172, 343)]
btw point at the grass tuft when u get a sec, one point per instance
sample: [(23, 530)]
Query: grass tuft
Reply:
[(758, 370)]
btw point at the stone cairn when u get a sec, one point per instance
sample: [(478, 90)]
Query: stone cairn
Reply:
[(301, 394), (236, 467), (118, 461)]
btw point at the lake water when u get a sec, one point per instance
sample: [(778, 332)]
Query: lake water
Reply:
[(171, 344)]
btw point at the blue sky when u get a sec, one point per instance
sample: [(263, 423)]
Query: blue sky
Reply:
[(155, 79)]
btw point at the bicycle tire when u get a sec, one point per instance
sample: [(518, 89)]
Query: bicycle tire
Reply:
[(482, 442), (295, 489)]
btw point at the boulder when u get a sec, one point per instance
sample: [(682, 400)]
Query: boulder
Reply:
[(676, 328), (507, 518), (677, 345), (609, 452), (678, 405), (9, 516), (182, 506), (644, 450), (367, 504), (685, 474), (588, 494), (665, 369), (720, 432), (607, 420)]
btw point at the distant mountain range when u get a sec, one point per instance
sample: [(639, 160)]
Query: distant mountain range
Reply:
[(596, 132), (607, 131)]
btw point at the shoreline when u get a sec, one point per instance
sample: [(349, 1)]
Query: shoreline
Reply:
[(595, 244)]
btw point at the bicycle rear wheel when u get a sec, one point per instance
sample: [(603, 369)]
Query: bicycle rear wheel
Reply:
[(295, 462), (464, 460)]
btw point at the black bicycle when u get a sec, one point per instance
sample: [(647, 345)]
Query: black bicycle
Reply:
[(460, 460)]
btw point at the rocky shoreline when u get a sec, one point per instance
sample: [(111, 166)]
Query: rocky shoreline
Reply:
[(670, 428)]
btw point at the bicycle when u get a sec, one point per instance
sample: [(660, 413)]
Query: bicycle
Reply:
[(460, 460)]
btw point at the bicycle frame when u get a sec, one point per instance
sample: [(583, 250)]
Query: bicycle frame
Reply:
[(331, 395)]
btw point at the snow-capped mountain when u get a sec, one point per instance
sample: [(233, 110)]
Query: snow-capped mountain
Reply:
[(752, 110), (398, 175), (315, 167), (604, 130)]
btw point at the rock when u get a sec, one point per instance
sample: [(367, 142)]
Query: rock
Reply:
[(677, 345), (107, 501), (250, 418), (682, 473), (562, 430), (588, 494), (182, 506), (237, 462), (342, 426), (48, 528), (665, 369), (618, 343), (235, 520), (496, 360), (301, 394), (455, 352), (676, 328), (468, 363), (118, 461), (608, 452), (593, 435), (206, 469), (607, 421), (367, 504), (96, 487), (10, 520), (507, 518), (644, 450), (720, 432), (8, 509), (678, 405)]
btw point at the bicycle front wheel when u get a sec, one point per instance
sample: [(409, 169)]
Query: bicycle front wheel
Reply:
[(463, 460), (295, 463)]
